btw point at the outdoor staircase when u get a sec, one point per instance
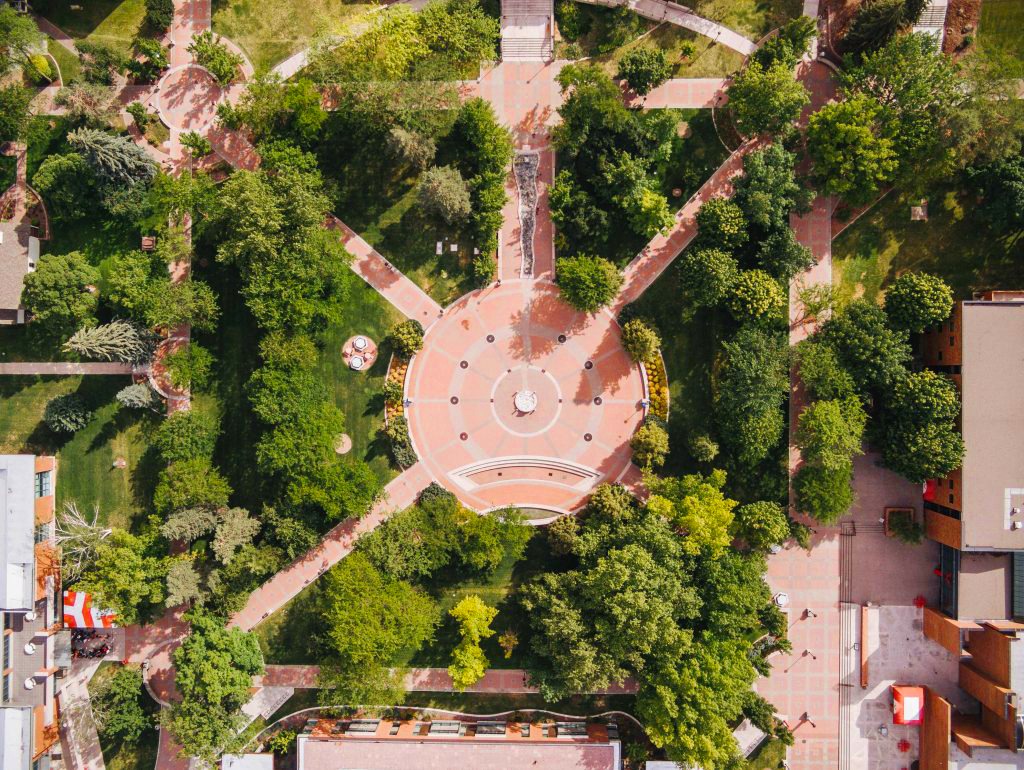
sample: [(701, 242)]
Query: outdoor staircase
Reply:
[(527, 30), (933, 20)]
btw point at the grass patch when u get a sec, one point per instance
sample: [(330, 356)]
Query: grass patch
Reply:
[(753, 18), (769, 756), (1002, 26), (360, 394), (157, 133), (85, 458), (70, 67), (271, 32), (709, 59), (118, 755), (953, 244), (114, 22)]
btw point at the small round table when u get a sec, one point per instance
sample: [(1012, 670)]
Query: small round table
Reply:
[(359, 352)]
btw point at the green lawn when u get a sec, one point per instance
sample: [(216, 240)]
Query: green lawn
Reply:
[(1002, 26), (271, 32), (753, 18), (85, 459), (769, 756), (70, 68), (115, 22), (117, 755), (708, 60), (360, 394), (885, 242)]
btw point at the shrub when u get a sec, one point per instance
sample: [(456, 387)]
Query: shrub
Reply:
[(649, 444), (66, 414), (397, 434), (640, 340), (485, 268), (186, 435), (159, 14), (916, 301), (906, 528), (222, 62), (721, 224), (657, 386), (703, 448), (140, 115), (407, 337)]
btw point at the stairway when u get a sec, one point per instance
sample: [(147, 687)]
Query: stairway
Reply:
[(527, 30)]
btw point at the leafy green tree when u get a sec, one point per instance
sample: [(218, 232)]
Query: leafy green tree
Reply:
[(916, 301), (575, 211), (562, 534), (757, 296), (696, 505), (874, 354), (822, 493), (919, 435), (125, 576), (410, 148), (878, 22), (708, 276), (921, 95), (588, 283), (484, 541), (782, 257), (189, 524), (721, 224), (414, 543), (852, 158), (14, 103), (235, 529), (272, 110), (644, 69), (821, 371), (56, 294), (159, 14), (768, 191), (19, 37), (703, 448), (635, 192), (640, 340), (367, 619), (117, 706), (88, 103), (190, 484), (116, 341), (66, 414), (211, 53), (214, 669), (830, 433), (762, 524), (407, 337), (167, 304), (387, 49), (189, 367), (766, 101), (649, 445), (67, 185), (186, 435), (101, 61), (197, 145), (789, 45), (116, 160), (459, 30), (468, 660), (1000, 184), (443, 194), (150, 60), (751, 386)]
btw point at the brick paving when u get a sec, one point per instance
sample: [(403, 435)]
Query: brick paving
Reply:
[(400, 493), (44, 368), (682, 93)]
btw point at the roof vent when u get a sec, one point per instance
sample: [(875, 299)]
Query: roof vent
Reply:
[(1017, 525)]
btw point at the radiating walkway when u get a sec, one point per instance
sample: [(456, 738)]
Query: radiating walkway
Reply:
[(660, 10), (65, 368), (659, 253), (682, 93), (495, 680), (377, 271), (335, 546)]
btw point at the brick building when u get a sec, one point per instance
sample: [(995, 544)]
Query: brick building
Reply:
[(29, 595), (976, 515)]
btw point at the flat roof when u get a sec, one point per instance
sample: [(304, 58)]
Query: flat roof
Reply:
[(17, 531), (15, 738), (478, 754), (985, 588), (993, 423)]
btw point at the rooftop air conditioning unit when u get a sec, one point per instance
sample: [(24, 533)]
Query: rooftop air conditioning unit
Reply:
[(1017, 525)]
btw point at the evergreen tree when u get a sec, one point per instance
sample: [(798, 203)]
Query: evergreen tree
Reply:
[(115, 159), (116, 341)]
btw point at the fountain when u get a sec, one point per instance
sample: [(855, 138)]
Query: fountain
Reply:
[(525, 401)]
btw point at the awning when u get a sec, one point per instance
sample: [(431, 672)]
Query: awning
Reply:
[(79, 612), (907, 704)]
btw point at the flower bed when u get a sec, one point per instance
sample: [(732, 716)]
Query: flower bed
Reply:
[(397, 367), (657, 384)]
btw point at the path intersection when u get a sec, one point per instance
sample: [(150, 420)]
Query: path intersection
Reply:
[(515, 398)]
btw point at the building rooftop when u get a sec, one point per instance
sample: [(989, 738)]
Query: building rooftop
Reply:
[(443, 744), (985, 588), (17, 531), (15, 737), (993, 424)]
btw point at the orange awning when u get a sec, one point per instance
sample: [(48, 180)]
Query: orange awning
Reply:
[(907, 704)]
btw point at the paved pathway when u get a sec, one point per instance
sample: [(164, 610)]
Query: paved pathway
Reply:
[(78, 733), (52, 30), (373, 268), (660, 10), (660, 252), (682, 93), (495, 680), (335, 546), (57, 368)]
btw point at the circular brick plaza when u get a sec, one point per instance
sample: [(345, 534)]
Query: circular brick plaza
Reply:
[(187, 98), (517, 399)]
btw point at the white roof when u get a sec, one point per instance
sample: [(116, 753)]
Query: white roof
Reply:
[(15, 738), (247, 762), (17, 525)]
